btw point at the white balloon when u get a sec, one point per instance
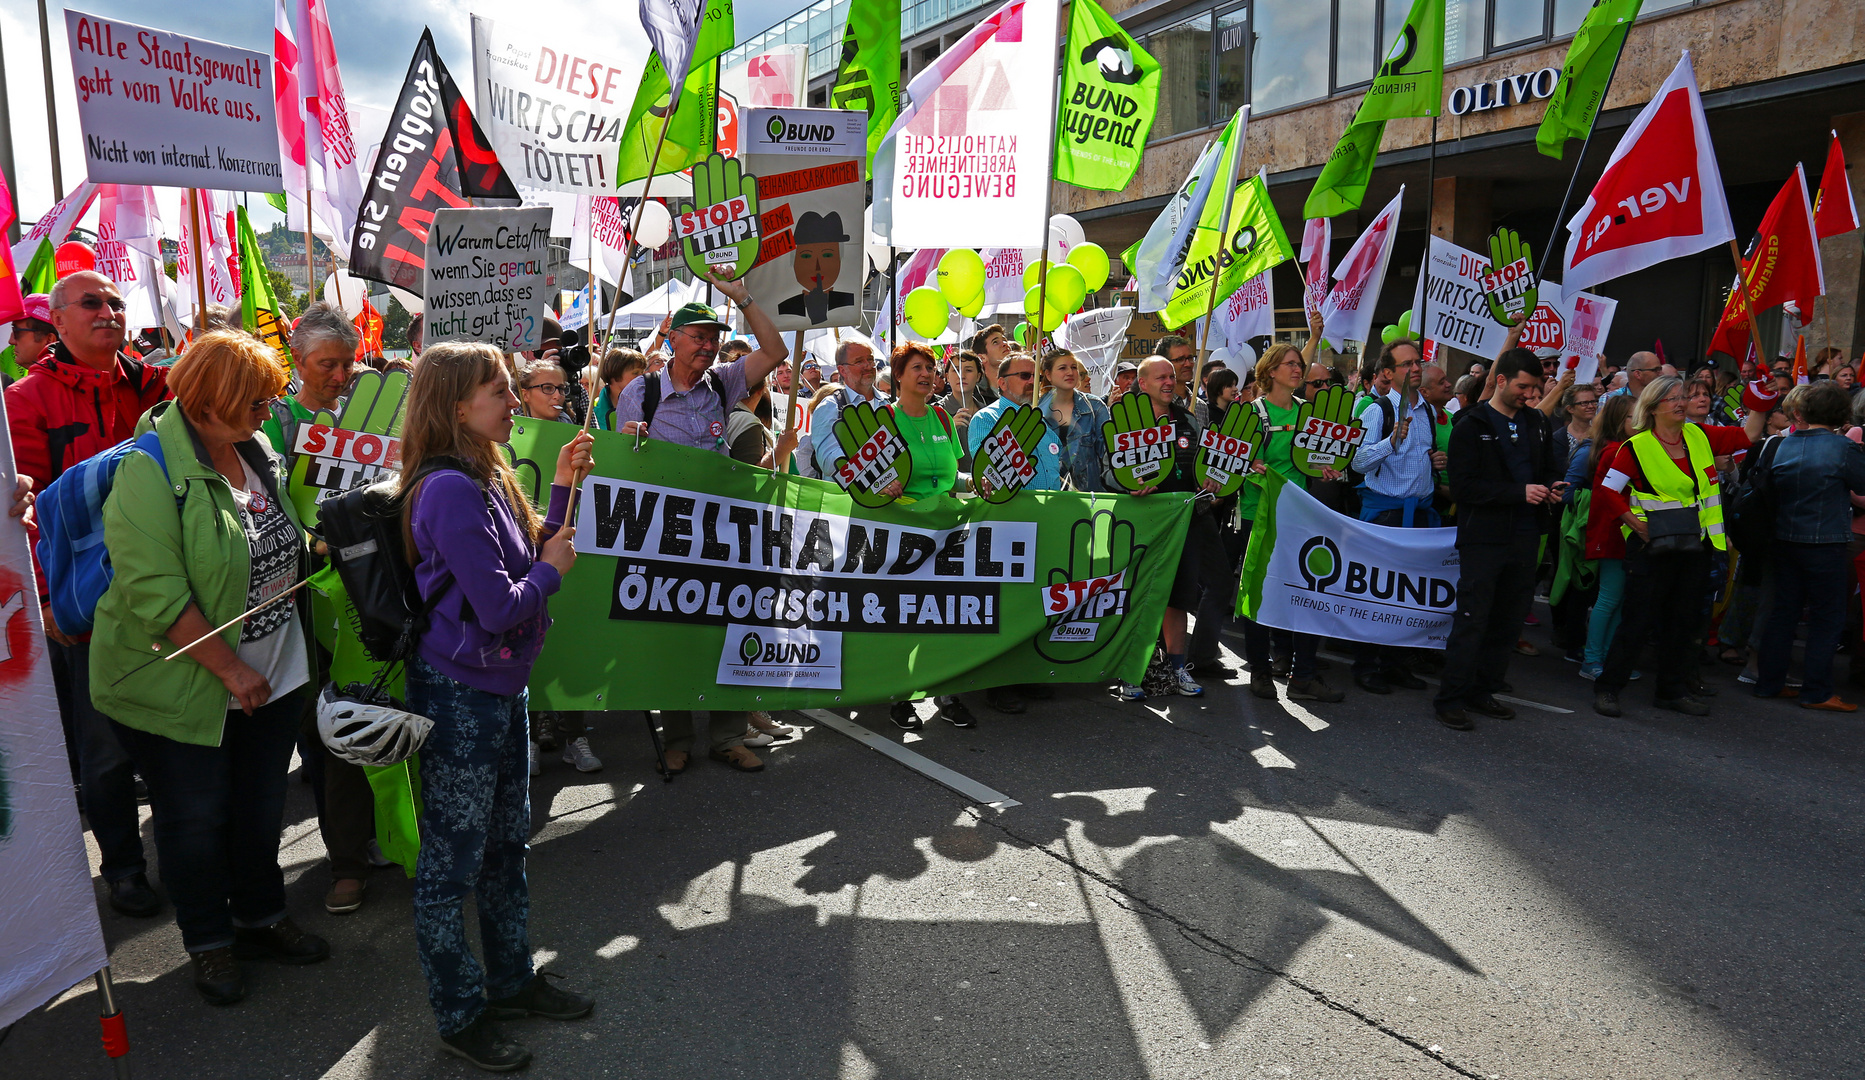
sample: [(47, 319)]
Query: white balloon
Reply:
[(1219, 355), (346, 292), (1245, 359), (410, 303), (656, 225), (1072, 234)]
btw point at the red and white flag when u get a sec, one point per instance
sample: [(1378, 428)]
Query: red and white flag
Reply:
[(600, 230), (1782, 267), (1661, 196), (318, 148), (1317, 238), (129, 238), (56, 224), (968, 160), (288, 106), (214, 254), (12, 304), (1347, 313), (1834, 210)]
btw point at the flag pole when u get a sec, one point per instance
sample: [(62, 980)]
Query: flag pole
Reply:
[(1049, 196), (628, 241), (1579, 163), (310, 262), (1223, 230), (793, 416), (1431, 221), (1741, 282)]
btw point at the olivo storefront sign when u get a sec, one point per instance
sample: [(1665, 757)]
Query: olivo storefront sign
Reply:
[(1508, 90)]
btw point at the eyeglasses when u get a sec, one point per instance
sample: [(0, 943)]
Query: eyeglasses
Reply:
[(1020, 375), (1318, 382), (262, 405), (93, 302), (702, 336), (1588, 404), (553, 389)]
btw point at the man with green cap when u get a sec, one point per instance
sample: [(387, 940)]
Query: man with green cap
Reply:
[(687, 403)]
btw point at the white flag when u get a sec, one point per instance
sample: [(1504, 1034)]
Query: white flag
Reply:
[(1156, 245), (673, 28), (214, 253), (55, 225), (129, 237), (1317, 240), (1347, 314)]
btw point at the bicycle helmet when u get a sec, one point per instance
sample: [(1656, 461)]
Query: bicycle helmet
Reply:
[(367, 727)]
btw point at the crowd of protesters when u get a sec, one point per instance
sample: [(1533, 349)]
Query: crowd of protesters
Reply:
[(1667, 535)]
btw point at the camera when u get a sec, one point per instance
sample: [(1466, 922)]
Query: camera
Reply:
[(572, 352)]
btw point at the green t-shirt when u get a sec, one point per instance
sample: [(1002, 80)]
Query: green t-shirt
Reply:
[(275, 431), (1278, 451), (935, 459)]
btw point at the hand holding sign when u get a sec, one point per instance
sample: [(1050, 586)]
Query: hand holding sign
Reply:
[(1226, 449), (1326, 432), (874, 465), (1006, 460), (719, 228), (1510, 286), (1138, 447)]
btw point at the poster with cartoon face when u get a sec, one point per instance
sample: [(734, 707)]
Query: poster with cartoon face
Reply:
[(809, 272)]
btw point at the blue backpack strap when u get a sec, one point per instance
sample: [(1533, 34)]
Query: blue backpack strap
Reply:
[(150, 443)]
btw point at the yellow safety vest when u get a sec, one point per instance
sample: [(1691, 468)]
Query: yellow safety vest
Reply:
[(1672, 489)]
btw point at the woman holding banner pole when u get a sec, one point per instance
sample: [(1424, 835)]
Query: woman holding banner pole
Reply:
[(488, 563)]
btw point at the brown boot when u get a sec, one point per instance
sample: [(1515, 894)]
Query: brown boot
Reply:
[(738, 758), (345, 896)]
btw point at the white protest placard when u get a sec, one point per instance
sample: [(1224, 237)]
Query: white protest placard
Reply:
[(811, 197), (485, 276), (1449, 303), (49, 933), (1096, 338), (1248, 313), (159, 108), (1588, 319), (552, 111)]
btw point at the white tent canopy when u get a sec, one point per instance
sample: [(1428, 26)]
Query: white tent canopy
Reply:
[(647, 312)]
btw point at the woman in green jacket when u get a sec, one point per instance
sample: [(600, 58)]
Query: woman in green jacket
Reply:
[(195, 540)]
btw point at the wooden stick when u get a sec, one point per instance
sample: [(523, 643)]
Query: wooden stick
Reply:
[(793, 415), (1741, 282), (628, 241), (235, 619), (310, 261)]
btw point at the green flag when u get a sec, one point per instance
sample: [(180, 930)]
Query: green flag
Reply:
[(1410, 82), (1110, 92), (41, 272), (868, 77), (1589, 66), (694, 126), (259, 307), (1253, 243)]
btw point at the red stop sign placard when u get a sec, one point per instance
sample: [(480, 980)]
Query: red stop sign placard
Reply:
[(1544, 330)]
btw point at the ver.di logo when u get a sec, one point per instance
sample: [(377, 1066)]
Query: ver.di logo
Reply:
[(749, 648), (1319, 562)]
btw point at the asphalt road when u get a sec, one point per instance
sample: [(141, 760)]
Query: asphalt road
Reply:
[(1221, 887)]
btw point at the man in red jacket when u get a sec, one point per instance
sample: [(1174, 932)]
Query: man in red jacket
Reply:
[(81, 397)]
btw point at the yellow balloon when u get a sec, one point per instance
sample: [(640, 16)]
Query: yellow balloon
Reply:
[(1067, 288), (926, 311), (1091, 259), (961, 274), (972, 307)]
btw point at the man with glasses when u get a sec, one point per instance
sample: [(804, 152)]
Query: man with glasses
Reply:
[(1178, 349), (854, 369), (82, 397), (687, 403), (1640, 369), (1395, 456)]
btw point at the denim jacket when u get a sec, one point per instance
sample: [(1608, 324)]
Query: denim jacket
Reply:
[(1083, 446), (1813, 472)]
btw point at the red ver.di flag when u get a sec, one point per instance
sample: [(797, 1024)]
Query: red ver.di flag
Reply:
[(967, 161), (433, 156), (49, 932), (1834, 210), (1661, 196)]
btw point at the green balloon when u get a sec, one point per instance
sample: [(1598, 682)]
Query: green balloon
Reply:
[(970, 308), (1067, 288), (961, 276), (1051, 316), (926, 311), (1033, 273), (1405, 324), (1091, 259), (1389, 334), (1023, 334)]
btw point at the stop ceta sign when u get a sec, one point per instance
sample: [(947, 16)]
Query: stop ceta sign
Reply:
[(73, 256), (1544, 330)]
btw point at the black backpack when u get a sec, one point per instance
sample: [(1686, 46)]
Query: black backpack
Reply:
[(651, 396), (1748, 521), (363, 528)]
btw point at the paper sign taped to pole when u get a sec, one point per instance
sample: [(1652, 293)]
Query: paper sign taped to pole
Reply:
[(485, 276), (809, 270), (159, 108)]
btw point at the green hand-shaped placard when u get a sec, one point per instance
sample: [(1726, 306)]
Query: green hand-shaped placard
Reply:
[(874, 456), (1087, 600), (718, 230), (1510, 286), (1732, 401), (1226, 449), (1006, 459), (1326, 432), (1138, 447), (354, 447)]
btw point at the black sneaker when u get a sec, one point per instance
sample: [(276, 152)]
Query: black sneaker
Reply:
[(133, 896), (484, 1044), (1455, 719), (1606, 703), (1689, 706), (1490, 707), (1004, 699), (281, 943), (1214, 669), (540, 998), (1373, 683), (217, 976), (1262, 685), (1402, 679), (904, 716), (1313, 690), (955, 713)]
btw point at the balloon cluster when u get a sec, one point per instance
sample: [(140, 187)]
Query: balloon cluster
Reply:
[(1398, 330), (1075, 269), (1068, 286)]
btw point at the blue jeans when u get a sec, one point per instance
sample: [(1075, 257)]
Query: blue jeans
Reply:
[(104, 770), (1819, 576), (475, 820), (1607, 608), (218, 812)]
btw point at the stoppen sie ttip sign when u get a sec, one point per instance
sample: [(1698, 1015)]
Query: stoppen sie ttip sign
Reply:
[(717, 229), (159, 108)]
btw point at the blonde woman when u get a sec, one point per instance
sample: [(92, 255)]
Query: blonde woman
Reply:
[(488, 563), (1076, 417)]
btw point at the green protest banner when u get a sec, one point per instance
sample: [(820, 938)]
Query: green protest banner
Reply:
[(1226, 449), (260, 313), (1253, 243), (1139, 444), (692, 126), (1585, 74), (719, 227), (1110, 93), (874, 456), (1326, 432), (1410, 82), (1006, 459), (704, 583)]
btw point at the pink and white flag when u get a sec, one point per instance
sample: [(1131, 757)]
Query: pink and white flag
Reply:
[(214, 254), (1250, 312), (600, 230), (1317, 239), (56, 224), (129, 237), (1347, 313), (328, 166)]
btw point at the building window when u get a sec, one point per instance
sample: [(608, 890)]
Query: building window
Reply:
[(1289, 64), (1184, 55), (1233, 54), (1463, 30), (1516, 22), (1355, 51), (1567, 15)]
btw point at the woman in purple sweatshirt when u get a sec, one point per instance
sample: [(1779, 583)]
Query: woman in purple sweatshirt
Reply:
[(475, 540)]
